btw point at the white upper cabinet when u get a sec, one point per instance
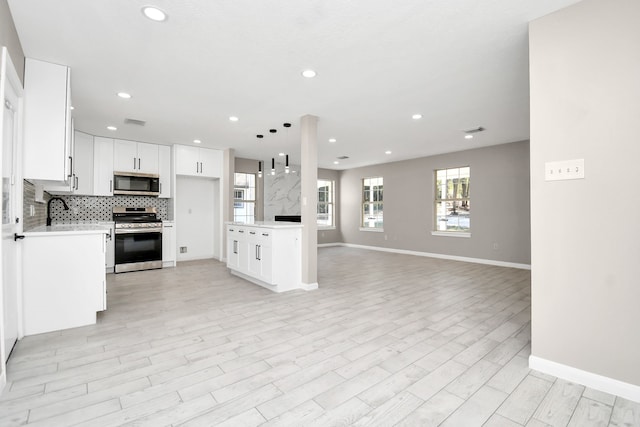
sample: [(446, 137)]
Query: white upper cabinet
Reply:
[(102, 166), (47, 122), (195, 161), (132, 156), (82, 164), (164, 166)]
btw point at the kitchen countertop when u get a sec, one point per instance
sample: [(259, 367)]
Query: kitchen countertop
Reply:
[(67, 229), (268, 224)]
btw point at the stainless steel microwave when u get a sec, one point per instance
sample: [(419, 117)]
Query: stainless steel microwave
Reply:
[(136, 184)]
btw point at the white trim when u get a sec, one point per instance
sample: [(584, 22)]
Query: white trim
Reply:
[(589, 379), (309, 286), (451, 233), (440, 256), (326, 227), (327, 245), (375, 230)]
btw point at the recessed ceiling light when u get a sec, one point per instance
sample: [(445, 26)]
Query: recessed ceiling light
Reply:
[(154, 13), (387, 152), (309, 74), (416, 116), (112, 128), (332, 140), (72, 107), (335, 162), (281, 154), (233, 118), (196, 141), (124, 95), (468, 136)]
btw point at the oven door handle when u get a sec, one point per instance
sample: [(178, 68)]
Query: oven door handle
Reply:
[(138, 230)]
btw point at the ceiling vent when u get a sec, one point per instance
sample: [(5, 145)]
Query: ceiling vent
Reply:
[(135, 122), (342, 157), (474, 130)]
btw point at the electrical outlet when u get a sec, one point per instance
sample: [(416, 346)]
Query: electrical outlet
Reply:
[(563, 170), (183, 249), (496, 246)]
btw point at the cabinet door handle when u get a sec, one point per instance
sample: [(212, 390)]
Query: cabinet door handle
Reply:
[(139, 162), (265, 234), (240, 231), (160, 188), (252, 232), (110, 185), (259, 247), (134, 163), (76, 182), (235, 246), (70, 167), (197, 167)]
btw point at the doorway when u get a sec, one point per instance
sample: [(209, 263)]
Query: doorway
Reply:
[(11, 96)]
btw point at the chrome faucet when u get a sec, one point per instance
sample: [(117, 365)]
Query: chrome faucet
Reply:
[(66, 208)]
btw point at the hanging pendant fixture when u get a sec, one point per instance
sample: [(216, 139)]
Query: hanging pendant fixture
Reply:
[(286, 166), (259, 168), (273, 166)]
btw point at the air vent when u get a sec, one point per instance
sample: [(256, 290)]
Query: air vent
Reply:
[(474, 130), (135, 122), (342, 157)]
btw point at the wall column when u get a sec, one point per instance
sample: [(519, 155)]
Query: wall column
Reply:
[(309, 202)]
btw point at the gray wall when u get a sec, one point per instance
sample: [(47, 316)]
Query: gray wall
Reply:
[(326, 236), (585, 103), (9, 38), (499, 204)]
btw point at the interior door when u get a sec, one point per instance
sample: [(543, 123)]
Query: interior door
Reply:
[(10, 111)]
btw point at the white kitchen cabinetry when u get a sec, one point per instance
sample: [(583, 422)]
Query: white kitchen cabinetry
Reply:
[(164, 169), (47, 134), (132, 156), (267, 254), (81, 181), (102, 166), (64, 281), (110, 253), (195, 161), (168, 244)]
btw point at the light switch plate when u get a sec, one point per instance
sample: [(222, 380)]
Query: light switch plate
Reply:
[(564, 170)]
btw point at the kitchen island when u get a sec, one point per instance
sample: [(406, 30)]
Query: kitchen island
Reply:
[(266, 253), (63, 276)]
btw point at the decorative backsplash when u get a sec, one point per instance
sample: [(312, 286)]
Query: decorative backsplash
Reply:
[(93, 208), (83, 208)]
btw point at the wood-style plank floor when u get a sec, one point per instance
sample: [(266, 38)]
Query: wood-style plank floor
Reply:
[(388, 339)]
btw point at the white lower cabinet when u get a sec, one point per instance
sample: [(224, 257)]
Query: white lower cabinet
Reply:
[(63, 280), (267, 255), (110, 259), (168, 244)]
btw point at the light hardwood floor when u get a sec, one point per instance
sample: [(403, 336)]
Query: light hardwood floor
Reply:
[(388, 339)]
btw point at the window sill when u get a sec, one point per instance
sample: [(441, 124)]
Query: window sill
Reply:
[(451, 234), (326, 227), (375, 230)]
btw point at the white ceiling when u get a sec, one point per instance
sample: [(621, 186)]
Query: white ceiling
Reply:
[(460, 63)]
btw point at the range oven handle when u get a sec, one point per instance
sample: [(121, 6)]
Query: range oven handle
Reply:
[(138, 230)]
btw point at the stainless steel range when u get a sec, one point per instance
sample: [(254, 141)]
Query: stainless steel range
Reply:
[(138, 235)]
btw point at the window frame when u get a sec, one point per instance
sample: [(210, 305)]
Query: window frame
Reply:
[(330, 204), (436, 200), (243, 190), (376, 199)]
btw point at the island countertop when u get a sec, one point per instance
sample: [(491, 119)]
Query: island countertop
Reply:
[(268, 224)]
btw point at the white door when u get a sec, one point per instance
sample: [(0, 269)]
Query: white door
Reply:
[(10, 128)]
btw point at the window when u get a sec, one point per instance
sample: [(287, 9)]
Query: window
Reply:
[(244, 197), (452, 200), (325, 203), (372, 204)]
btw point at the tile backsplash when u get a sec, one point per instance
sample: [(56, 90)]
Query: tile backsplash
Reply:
[(84, 208)]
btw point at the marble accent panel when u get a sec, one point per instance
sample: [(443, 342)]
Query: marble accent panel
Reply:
[(281, 192)]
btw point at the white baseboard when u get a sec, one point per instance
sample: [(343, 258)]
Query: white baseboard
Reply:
[(309, 286), (328, 245), (432, 255), (589, 379)]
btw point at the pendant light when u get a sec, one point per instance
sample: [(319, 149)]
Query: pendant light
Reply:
[(273, 166), (259, 168), (286, 166)]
